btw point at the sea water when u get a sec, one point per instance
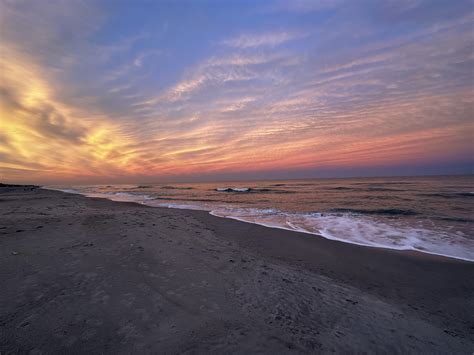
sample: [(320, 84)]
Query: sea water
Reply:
[(427, 214)]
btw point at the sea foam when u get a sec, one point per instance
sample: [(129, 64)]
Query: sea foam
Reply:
[(365, 224), (358, 230)]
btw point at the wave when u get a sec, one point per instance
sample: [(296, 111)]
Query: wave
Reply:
[(367, 189), (304, 184), (233, 189), (382, 211), (291, 185), (449, 194), (381, 183), (183, 199), (382, 189), (252, 190), (182, 206), (355, 226), (358, 230), (456, 219), (122, 196), (176, 188)]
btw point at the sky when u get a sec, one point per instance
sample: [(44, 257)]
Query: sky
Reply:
[(141, 91)]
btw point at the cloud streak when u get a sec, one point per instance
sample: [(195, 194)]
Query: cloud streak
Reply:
[(270, 39)]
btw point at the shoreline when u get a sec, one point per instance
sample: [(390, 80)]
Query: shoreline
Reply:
[(91, 274), (409, 251)]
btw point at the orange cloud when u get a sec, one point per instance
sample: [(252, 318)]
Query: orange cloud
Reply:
[(251, 106), (42, 136)]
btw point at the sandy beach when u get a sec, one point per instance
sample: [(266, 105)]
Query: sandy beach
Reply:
[(83, 275)]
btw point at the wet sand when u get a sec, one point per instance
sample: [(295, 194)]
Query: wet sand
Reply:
[(89, 275)]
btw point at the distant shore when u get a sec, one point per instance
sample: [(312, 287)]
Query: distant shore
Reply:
[(92, 275)]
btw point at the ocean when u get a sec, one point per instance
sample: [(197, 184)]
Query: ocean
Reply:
[(428, 214)]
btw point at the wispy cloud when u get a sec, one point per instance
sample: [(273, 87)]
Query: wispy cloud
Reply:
[(269, 39), (323, 94)]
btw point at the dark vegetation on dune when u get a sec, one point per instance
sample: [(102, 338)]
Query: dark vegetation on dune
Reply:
[(13, 186)]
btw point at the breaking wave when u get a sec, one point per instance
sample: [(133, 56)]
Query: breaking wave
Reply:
[(359, 230), (382, 211), (367, 227)]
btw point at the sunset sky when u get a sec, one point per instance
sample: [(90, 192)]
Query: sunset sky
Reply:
[(132, 91)]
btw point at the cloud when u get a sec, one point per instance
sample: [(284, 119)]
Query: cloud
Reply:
[(122, 109), (46, 137), (239, 59), (323, 115), (270, 39)]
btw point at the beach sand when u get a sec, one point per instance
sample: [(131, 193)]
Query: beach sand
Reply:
[(82, 275)]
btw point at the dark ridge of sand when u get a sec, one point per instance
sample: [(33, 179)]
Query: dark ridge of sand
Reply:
[(81, 275)]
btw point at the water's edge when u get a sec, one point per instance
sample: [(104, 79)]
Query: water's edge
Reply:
[(115, 198)]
